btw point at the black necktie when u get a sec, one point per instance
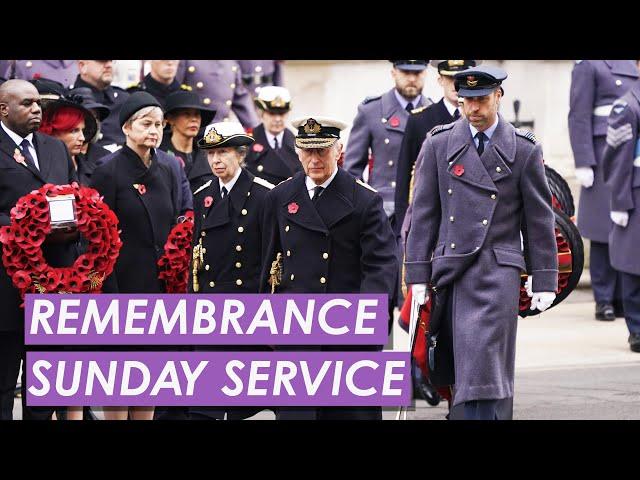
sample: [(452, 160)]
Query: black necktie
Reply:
[(456, 114), (317, 191), (409, 107), (481, 139), (24, 146), (224, 192), (275, 143)]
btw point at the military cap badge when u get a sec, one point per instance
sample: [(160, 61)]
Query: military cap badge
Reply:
[(312, 126), (471, 81), (278, 102), (212, 136)]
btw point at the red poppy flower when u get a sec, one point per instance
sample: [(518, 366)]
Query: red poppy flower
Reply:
[(394, 121), (140, 187), (458, 170), (208, 201), (293, 207), (21, 279), (257, 147)]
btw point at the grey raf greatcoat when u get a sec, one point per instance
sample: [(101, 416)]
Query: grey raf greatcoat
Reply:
[(465, 234)]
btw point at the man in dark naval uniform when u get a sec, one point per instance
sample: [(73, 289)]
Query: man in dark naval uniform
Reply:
[(479, 180), (420, 122), (98, 75), (273, 156), (331, 235), (227, 256), (46, 160)]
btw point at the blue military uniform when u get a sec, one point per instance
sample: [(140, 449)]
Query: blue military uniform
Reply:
[(621, 164), (260, 73), (113, 98), (159, 90), (341, 242), (218, 83), (63, 71), (379, 128), (465, 240), (595, 85)]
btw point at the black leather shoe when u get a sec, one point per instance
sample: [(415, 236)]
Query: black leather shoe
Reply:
[(618, 309), (634, 342), (604, 311), (425, 391)]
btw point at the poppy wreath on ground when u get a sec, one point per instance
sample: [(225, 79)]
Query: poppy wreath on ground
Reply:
[(173, 265), (22, 241)]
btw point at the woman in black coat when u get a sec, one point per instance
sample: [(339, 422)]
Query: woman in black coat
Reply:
[(138, 189), (227, 211), (185, 116)]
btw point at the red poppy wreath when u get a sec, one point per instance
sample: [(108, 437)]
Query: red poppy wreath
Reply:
[(173, 265), (22, 241)]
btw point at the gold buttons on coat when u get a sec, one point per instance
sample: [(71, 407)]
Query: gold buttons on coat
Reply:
[(191, 69), (493, 196), (238, 265), (384, 120), (393, 184), (618, 82), (288, 253), (234, 68), (323, 280), (451, 218), (206, 101), (240, 229), (203, 234), (292, 276), (390, 163), (207, 267), (386, 140), (238, 282), (453, 246), (238, 248), (260, 168), (28, 64), (449, 191), (485, 221), (212, 284), (228, 103), (325, 255), (286, 229), (199, 85), (233, 85), (498, 169), (258, 68)]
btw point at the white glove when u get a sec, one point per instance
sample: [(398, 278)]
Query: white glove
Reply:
[(528, 285), (542, 300), (620, 218), (419, 292), (585, 176)]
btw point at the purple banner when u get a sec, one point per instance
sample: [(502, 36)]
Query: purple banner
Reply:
[(218, 378), (217, 319)]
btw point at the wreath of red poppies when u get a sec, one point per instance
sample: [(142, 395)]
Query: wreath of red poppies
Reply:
[(22, 241), (173, 265)]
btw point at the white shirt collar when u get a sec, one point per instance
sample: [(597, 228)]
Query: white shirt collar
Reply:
[(231, 183), (270, 138), (450, 108), (488, 132), (404, 102), (15, 137), (311, 184)]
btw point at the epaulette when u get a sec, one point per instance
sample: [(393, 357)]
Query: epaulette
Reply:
[(371, 99), (186, 87), (419, 109), (263, 182), (365, 185), (619, 105), (285, 180), (526, 134), (441, 128), (135, 87), (202, 187)]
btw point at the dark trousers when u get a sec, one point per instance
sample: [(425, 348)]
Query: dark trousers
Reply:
[(631, 301), (605, 280), (483, 410), (11, 346)]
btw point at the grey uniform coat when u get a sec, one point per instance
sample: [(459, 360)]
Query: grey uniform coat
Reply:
[(465, 234), (622, 174), (63, 71), (378, 127), (219, 85), (260, 73), (595, 83)]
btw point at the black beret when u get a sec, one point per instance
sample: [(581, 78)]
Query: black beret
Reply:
[(135, 102)]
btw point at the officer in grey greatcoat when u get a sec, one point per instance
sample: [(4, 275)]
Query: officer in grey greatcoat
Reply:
[(595, 85), (479, 178), (621, 162), (63, 71), (378, 128), (261, 73), (219, 85)]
